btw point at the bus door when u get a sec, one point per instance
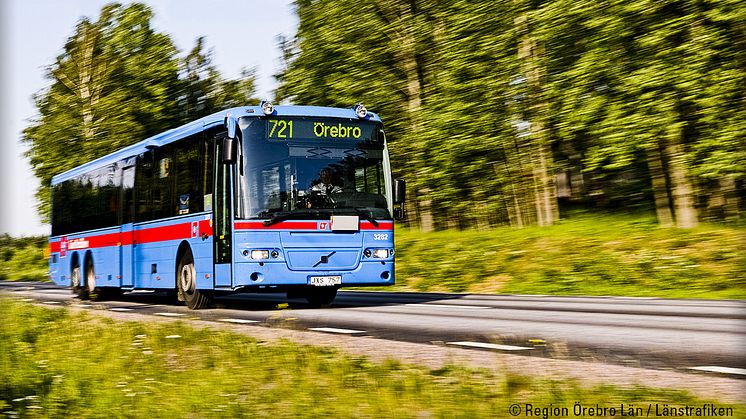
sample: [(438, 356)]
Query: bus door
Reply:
[(126, 233), (222, 218)]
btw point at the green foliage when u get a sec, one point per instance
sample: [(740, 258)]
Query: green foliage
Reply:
[(57, 364), (117, 82), (582, 255), (625, 94), (203, 88), (114, 84), (23, 259)]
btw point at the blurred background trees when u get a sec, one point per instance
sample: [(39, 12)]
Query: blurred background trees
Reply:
[(117, 82), (511, 112), (497, 112)]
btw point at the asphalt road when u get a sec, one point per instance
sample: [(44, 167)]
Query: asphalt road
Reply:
[(644, 332)]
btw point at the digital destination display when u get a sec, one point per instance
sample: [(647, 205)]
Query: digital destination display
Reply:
[(326, 129)]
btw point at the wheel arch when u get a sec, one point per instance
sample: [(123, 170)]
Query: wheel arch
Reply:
[(74, 260), (184, 247)]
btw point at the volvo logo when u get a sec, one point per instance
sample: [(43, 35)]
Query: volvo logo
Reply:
[(324, 259)]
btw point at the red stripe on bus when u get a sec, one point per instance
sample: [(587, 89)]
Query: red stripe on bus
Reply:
[(286, 225), (157, 234), (304, 225), (148, 235), (382, 225)]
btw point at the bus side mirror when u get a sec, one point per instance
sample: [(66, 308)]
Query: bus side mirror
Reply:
[(400, 191), (229, 143), (400, 195)]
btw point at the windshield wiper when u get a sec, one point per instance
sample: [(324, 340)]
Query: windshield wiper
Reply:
[(288, 215), (276, 219), (365, 216)]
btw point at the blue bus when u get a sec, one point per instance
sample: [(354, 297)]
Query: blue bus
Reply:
[(296, 199)]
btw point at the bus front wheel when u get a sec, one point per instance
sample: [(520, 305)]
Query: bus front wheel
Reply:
[(186, 281)]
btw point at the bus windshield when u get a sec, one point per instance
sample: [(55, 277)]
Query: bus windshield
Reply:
[(303, 167)]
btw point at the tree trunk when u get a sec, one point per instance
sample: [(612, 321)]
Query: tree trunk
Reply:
[(414, 107), (660, 189), (530, 55), (686, 214), (730, 198)]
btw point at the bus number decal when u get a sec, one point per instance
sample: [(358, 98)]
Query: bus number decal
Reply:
[(380, 237), (285, 129)]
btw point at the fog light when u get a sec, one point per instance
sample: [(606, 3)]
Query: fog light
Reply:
[(367, 253), (275, 254), (259, 254)]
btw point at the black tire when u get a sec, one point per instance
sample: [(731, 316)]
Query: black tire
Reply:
[(75, 283), (320, 296), (186, 284)]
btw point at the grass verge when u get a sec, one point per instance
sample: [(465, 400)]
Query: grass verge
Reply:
[(57, 364), (599, 255)]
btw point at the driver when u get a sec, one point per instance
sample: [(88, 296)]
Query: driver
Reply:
[(325, 186)]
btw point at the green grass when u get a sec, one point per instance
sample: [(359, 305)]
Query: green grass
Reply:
[(57, 364), (599, 255)]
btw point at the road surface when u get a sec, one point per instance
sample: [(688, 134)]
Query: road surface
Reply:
[(690, 335)]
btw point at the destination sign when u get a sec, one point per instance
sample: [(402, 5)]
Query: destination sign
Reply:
[(326, 129)]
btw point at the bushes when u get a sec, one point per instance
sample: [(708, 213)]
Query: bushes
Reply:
[(589, 255), (22, 259)]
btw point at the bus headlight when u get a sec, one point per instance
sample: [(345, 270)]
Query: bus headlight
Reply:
[(259, 254), (381, 253), (378, 253), (267, 107), (360, 111)]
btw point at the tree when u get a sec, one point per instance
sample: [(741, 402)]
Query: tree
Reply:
[(115, 83), (638, 104), (204, 91)]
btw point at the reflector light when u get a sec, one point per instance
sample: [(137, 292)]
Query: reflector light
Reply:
[(267, 107), (360, 110)]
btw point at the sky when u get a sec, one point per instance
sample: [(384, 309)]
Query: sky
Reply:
[(33, 33)]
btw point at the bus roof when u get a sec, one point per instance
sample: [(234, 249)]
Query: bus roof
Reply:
[(203, 124)]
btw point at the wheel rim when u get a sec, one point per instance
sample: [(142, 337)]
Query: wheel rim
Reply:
[(75, 277), (90, 279), (186, 279)]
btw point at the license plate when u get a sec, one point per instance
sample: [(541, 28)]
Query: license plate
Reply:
[(325, 281)]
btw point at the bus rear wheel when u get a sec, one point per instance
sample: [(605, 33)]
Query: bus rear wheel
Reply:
[(320, 296), (186, 283), (75, 283), (90, 280)]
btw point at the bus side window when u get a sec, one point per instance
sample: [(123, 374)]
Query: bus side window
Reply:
[(188, 194), (143, 187), (206, 158), (162, 186), (128, 190)]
